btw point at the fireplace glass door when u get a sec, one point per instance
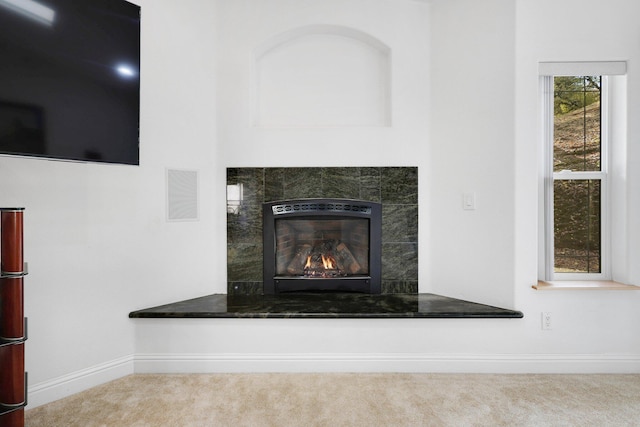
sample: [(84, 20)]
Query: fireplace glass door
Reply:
[(317, 245), (322, 248)]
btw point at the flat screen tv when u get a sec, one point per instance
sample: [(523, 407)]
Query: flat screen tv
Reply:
[(70, 79)]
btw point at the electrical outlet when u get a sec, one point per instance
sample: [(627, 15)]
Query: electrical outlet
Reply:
[(547, 321)]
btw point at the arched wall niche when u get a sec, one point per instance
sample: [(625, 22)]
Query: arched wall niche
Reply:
[(322, 76)]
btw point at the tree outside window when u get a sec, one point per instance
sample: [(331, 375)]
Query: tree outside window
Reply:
[(578, 174)]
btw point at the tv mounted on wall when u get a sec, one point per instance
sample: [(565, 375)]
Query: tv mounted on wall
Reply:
[(70, 79)]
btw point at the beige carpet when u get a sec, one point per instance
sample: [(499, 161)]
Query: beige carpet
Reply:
[(350, 400)]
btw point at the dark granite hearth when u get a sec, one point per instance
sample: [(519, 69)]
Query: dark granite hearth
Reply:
[(325, 305)]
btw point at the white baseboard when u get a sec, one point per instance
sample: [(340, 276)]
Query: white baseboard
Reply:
[(57, 388), (66, 385), (443, 363)]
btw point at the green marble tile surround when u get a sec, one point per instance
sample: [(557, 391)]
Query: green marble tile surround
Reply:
[(395, 187)]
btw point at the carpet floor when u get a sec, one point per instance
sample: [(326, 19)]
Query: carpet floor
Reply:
[(328, 399)]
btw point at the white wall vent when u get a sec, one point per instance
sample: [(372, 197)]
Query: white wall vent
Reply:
[(182, 195)]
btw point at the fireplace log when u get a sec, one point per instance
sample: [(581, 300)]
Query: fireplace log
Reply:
[(296, 266), (351, 264)]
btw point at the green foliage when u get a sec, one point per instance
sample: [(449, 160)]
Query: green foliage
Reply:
[(575, 92)]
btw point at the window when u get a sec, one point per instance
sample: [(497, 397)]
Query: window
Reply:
[(576, 188), (583, 191)]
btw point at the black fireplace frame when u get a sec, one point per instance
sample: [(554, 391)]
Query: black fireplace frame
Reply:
[(318, 209)]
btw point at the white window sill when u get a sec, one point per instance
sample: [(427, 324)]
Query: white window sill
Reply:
[(583, 285)]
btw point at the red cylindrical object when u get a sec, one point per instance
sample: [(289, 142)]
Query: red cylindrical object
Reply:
[(13, 419), (12, 374), (11, 250), (12, 308)]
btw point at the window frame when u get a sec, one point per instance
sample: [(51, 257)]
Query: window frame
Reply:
[(548, 91)]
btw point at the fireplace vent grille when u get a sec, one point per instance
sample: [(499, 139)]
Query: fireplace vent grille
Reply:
[(320, 207)]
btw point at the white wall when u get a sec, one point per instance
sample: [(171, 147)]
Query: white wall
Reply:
[(96, 238), (480, 134), (99, 247), (562, 36), (244, 27), (472, 150)]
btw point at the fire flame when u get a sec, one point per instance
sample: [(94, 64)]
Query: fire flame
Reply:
[(327, 262)]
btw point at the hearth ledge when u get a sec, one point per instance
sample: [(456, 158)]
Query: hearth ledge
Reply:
[(327, 305)]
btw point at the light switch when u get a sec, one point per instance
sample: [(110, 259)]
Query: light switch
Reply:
[(469, 201)]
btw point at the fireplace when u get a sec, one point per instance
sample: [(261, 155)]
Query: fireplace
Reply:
[(322, 245)]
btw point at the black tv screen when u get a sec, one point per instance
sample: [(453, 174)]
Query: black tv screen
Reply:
[(70, 79)]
